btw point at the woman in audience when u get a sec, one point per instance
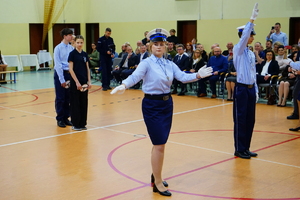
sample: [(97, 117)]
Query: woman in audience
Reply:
[(94, 57), (268, 68), (230, 81), (281, 56), (287, 80), (189, 49), (275, 47), (196, 62)]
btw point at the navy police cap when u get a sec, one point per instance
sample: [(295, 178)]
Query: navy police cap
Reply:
[(158, 34), (241, 28)]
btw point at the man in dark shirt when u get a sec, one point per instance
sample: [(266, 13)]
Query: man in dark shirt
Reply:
[(145, 40), (172, 37), (106, 48)]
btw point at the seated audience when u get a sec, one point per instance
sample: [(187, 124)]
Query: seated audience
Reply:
[(203, 52), (172, 37), (3, 67), (189, 49), (269, 44), (126, 66), (182, 61), (196, 62), (259, 54), (123, 48), (275, 47), (230, 81), (267, 68), (94, 57), (229, 49), (295, 48), (142, 55), (171, 50), (281, 57), (194, 42), (211, 53), (219, 63)]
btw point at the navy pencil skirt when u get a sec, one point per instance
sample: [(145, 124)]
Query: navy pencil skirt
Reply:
[(158, 119)]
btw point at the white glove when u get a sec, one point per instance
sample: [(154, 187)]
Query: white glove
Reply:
[(257, 97), (120, 89), (205, 71), (254, 12)]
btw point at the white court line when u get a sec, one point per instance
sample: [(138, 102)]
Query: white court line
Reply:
[(112, 125)]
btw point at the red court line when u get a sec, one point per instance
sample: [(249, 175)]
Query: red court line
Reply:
[(109, 159)]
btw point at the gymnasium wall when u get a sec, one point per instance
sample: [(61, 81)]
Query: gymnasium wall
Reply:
[(216, 19)]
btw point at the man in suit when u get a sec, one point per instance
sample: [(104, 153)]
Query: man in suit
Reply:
[(126, 66), (142, 55), (182, 61), (219, 63)]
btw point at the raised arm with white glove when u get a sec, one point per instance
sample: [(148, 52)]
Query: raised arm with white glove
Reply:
[(205, 71), (254, 12), (120, 89)]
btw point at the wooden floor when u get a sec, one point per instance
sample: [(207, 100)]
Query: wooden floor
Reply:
[(111, 160)]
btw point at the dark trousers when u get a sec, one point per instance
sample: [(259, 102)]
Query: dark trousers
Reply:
[(182, 85), (79, 106), (126, 72), (106, 65), (243, 116), (62, 99), (261, 79), (122, 74), (212, 83), (296, 92)]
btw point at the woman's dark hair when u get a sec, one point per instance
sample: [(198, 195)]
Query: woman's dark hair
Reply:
[(280, 47), (273, 54), (79, 37), (65, 31)]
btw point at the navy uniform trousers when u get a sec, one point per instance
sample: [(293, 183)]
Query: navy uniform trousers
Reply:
[(62, 99), (243, 116), (106, 65)]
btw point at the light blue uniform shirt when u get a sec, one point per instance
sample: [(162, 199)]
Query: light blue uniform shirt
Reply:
[(61, 54), (244, 59), (281, 37), (157, 75), (295, 65)]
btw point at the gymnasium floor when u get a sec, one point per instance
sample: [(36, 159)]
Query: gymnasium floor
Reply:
[(111, 160)]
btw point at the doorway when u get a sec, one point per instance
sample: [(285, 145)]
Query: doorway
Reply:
[(294, 30), (186, 31), (92, 34), (35, 38)]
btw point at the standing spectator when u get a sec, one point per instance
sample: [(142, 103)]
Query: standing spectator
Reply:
[(3, 66), (145, 40), (80, 83), (61, 76), (276, 35), (172, 37), (245, 92), (106, 48)]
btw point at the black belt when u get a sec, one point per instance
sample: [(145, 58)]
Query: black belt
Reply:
[(66, 71), (245, 85), (164, 97)]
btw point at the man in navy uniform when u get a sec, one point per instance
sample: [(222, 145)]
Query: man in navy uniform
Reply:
[(245, 92), (106, 48)]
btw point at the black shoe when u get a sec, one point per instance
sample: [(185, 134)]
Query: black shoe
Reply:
[(295, 129), (61, 124), (292, 117), (252, 154), (153, 180), (104, 89), (68, 122), (243, 154), (164, 193), (181, 94), (109, 88)]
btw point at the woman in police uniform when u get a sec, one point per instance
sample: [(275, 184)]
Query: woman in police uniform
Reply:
[(157, 106)]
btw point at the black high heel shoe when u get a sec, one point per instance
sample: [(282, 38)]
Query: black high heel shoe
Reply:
[(295, 129), (153, 180), (164, 193)]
